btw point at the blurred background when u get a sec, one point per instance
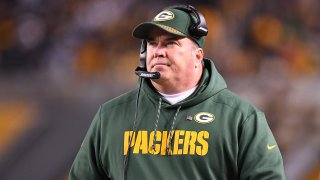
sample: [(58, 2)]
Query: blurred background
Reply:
[(61, 59)]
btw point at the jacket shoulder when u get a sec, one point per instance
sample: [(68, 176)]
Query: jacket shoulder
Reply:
[(123, 99), (235, 102)]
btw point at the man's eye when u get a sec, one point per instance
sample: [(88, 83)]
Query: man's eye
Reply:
[(152, 43), (171, 43)]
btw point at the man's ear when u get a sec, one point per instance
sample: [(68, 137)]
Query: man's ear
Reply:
[(199, 56)]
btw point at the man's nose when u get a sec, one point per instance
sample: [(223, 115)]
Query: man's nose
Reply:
[(159, 51)]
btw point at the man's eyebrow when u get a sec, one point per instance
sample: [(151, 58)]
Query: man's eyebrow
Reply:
[(173, 38)]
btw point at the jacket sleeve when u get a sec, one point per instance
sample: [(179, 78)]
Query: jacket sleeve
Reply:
[(87, 164), (259, 154)]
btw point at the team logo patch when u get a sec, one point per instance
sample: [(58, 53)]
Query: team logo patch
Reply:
[(164, 16), (204, 117)]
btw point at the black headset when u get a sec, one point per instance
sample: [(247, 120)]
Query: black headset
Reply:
[(197, 30)]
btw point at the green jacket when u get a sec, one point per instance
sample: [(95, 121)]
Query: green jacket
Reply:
[(213, 134)]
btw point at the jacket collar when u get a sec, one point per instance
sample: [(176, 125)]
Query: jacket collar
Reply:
[(210, 84)]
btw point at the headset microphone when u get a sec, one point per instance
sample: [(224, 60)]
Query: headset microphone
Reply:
[(141, 70), (148, 75)]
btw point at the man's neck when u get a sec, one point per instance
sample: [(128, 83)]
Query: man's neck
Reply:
[(171, 88), (175, 98)]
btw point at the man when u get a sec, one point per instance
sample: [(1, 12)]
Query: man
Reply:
[(183, 123)]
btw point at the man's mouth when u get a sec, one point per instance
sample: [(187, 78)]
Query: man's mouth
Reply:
[(159, 64)]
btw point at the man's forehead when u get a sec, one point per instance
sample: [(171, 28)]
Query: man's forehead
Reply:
[(156, 32)]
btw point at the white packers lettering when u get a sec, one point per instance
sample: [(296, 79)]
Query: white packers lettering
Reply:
[(184, 142), (146, 75)]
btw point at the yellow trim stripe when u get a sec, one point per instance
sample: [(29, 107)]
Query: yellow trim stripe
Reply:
[(172, 30)]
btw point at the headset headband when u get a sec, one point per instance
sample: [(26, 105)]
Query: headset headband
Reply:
[(199, 28)]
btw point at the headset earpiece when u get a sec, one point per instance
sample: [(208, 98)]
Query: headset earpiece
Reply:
[(200, 28)]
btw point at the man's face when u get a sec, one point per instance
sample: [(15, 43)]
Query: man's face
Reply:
[(173, 56)]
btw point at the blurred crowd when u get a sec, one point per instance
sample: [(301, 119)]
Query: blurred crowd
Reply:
[(268, 51)]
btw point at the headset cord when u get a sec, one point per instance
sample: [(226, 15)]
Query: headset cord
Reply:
[(156, 125), (169, 144), (134, 128)]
